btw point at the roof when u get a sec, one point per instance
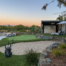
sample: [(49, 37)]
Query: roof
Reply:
[(50, 21)]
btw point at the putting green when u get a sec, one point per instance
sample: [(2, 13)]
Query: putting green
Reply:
[(23, 37)]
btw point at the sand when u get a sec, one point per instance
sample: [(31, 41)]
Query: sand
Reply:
[(21, 48)]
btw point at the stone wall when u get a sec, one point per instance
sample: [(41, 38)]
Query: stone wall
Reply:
[(26, 33), (63, 39), (43, 61)]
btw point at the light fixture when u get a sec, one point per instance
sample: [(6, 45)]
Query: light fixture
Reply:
[(52, 23)]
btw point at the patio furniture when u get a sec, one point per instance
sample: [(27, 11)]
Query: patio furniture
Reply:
[(59, 33), (63, 22)]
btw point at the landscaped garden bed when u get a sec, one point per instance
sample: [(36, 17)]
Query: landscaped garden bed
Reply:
[(58, 56), (57, 61), (54, 55)]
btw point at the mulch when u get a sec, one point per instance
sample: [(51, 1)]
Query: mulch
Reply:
[(57, 61)]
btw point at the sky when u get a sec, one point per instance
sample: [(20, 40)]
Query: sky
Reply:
[(27, 12)]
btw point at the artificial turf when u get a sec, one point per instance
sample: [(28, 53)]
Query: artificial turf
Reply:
[(23, 37)]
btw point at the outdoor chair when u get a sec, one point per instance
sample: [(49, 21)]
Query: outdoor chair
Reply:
[(59, 33)]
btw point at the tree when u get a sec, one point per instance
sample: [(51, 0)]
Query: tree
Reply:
[(35, 28), (0, 27), (9, 28), (60, 2), (60, 18), (18, 27)]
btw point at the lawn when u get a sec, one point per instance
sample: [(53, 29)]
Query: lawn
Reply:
[(46, 34), (14, 60), (23, 37)]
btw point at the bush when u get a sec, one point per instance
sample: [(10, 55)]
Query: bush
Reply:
[(58, 52), (32, 57), (62, 46), (23, 64)]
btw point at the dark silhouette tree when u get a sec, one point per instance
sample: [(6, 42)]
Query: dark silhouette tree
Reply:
[(60, 2)]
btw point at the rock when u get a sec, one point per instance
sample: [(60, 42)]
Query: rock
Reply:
[(38, 64), (44, 54), (42, 61), (48, 50), (50, 47), (45, 62), (48, 60), (41, 57), (46, 37), (65, 40), (54, 45), (45, 51), (10, 35), (39, 37), (51, 37)]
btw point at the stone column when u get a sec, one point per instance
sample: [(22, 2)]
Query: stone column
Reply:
[(65, 28), (41, 28)]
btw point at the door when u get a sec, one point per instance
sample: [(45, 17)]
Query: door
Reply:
[(50, 29)]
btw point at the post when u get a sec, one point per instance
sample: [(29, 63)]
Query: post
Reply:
[(41, 27), (5, 46), (65, 28), (10, 45)]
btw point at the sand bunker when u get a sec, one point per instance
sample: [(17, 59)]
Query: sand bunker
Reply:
[(20, 48)]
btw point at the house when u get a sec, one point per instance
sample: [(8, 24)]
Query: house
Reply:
[(51, 26)]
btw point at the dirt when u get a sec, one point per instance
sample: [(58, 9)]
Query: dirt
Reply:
[(58, 60)]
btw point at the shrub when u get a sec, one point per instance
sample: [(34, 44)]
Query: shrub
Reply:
[(62, 46), (58, 52), (32, 57), (23, 64)]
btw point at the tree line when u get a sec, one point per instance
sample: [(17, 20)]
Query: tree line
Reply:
[(20, 28)]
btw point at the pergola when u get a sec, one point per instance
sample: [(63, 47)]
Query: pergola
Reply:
[(43, 23)]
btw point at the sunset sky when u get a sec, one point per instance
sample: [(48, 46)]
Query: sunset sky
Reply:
[(27, 12)]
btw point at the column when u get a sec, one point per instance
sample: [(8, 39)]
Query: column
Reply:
[(41, 27), (65, 28)]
